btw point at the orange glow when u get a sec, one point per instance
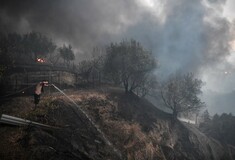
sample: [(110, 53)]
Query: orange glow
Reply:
[(40, 60)]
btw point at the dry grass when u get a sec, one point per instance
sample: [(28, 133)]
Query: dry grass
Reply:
[(10, 147), (128, 136), (107, 112), (132, 141)]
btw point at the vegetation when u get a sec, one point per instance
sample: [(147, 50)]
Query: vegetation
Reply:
[(6, 58), (126, 64), (129, 64), (16, 48), (36, 45), (136, 128), (92, 70), (220, 127), (145, 131), (67, 54), (180, 94), (27, 48), (205, 117)]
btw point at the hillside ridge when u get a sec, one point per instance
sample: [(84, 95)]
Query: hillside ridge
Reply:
[(134, 126)]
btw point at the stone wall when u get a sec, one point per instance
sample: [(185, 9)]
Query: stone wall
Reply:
[(21, 77), (61, 78)]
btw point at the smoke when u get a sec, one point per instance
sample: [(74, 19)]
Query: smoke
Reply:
[(184, 35), (190, 37), (79, 22)]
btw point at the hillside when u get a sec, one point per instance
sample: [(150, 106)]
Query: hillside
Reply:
[(135, 128)]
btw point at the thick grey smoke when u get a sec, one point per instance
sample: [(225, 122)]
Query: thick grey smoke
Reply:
[(80, 22), (191, 36), (185, 35)]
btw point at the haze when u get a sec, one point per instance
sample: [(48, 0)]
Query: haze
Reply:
[(185, 35)]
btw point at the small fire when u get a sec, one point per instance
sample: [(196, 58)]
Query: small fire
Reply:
[(40, 60)]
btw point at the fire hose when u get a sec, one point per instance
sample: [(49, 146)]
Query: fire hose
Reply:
[(11, 120)]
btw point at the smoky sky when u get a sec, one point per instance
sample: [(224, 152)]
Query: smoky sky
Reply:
[(191, 36), (184, 35), (80, 22)]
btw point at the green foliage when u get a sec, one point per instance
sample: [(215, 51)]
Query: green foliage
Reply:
[(128, 63)]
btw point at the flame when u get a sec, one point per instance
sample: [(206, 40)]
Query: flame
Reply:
[(40, 60)]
